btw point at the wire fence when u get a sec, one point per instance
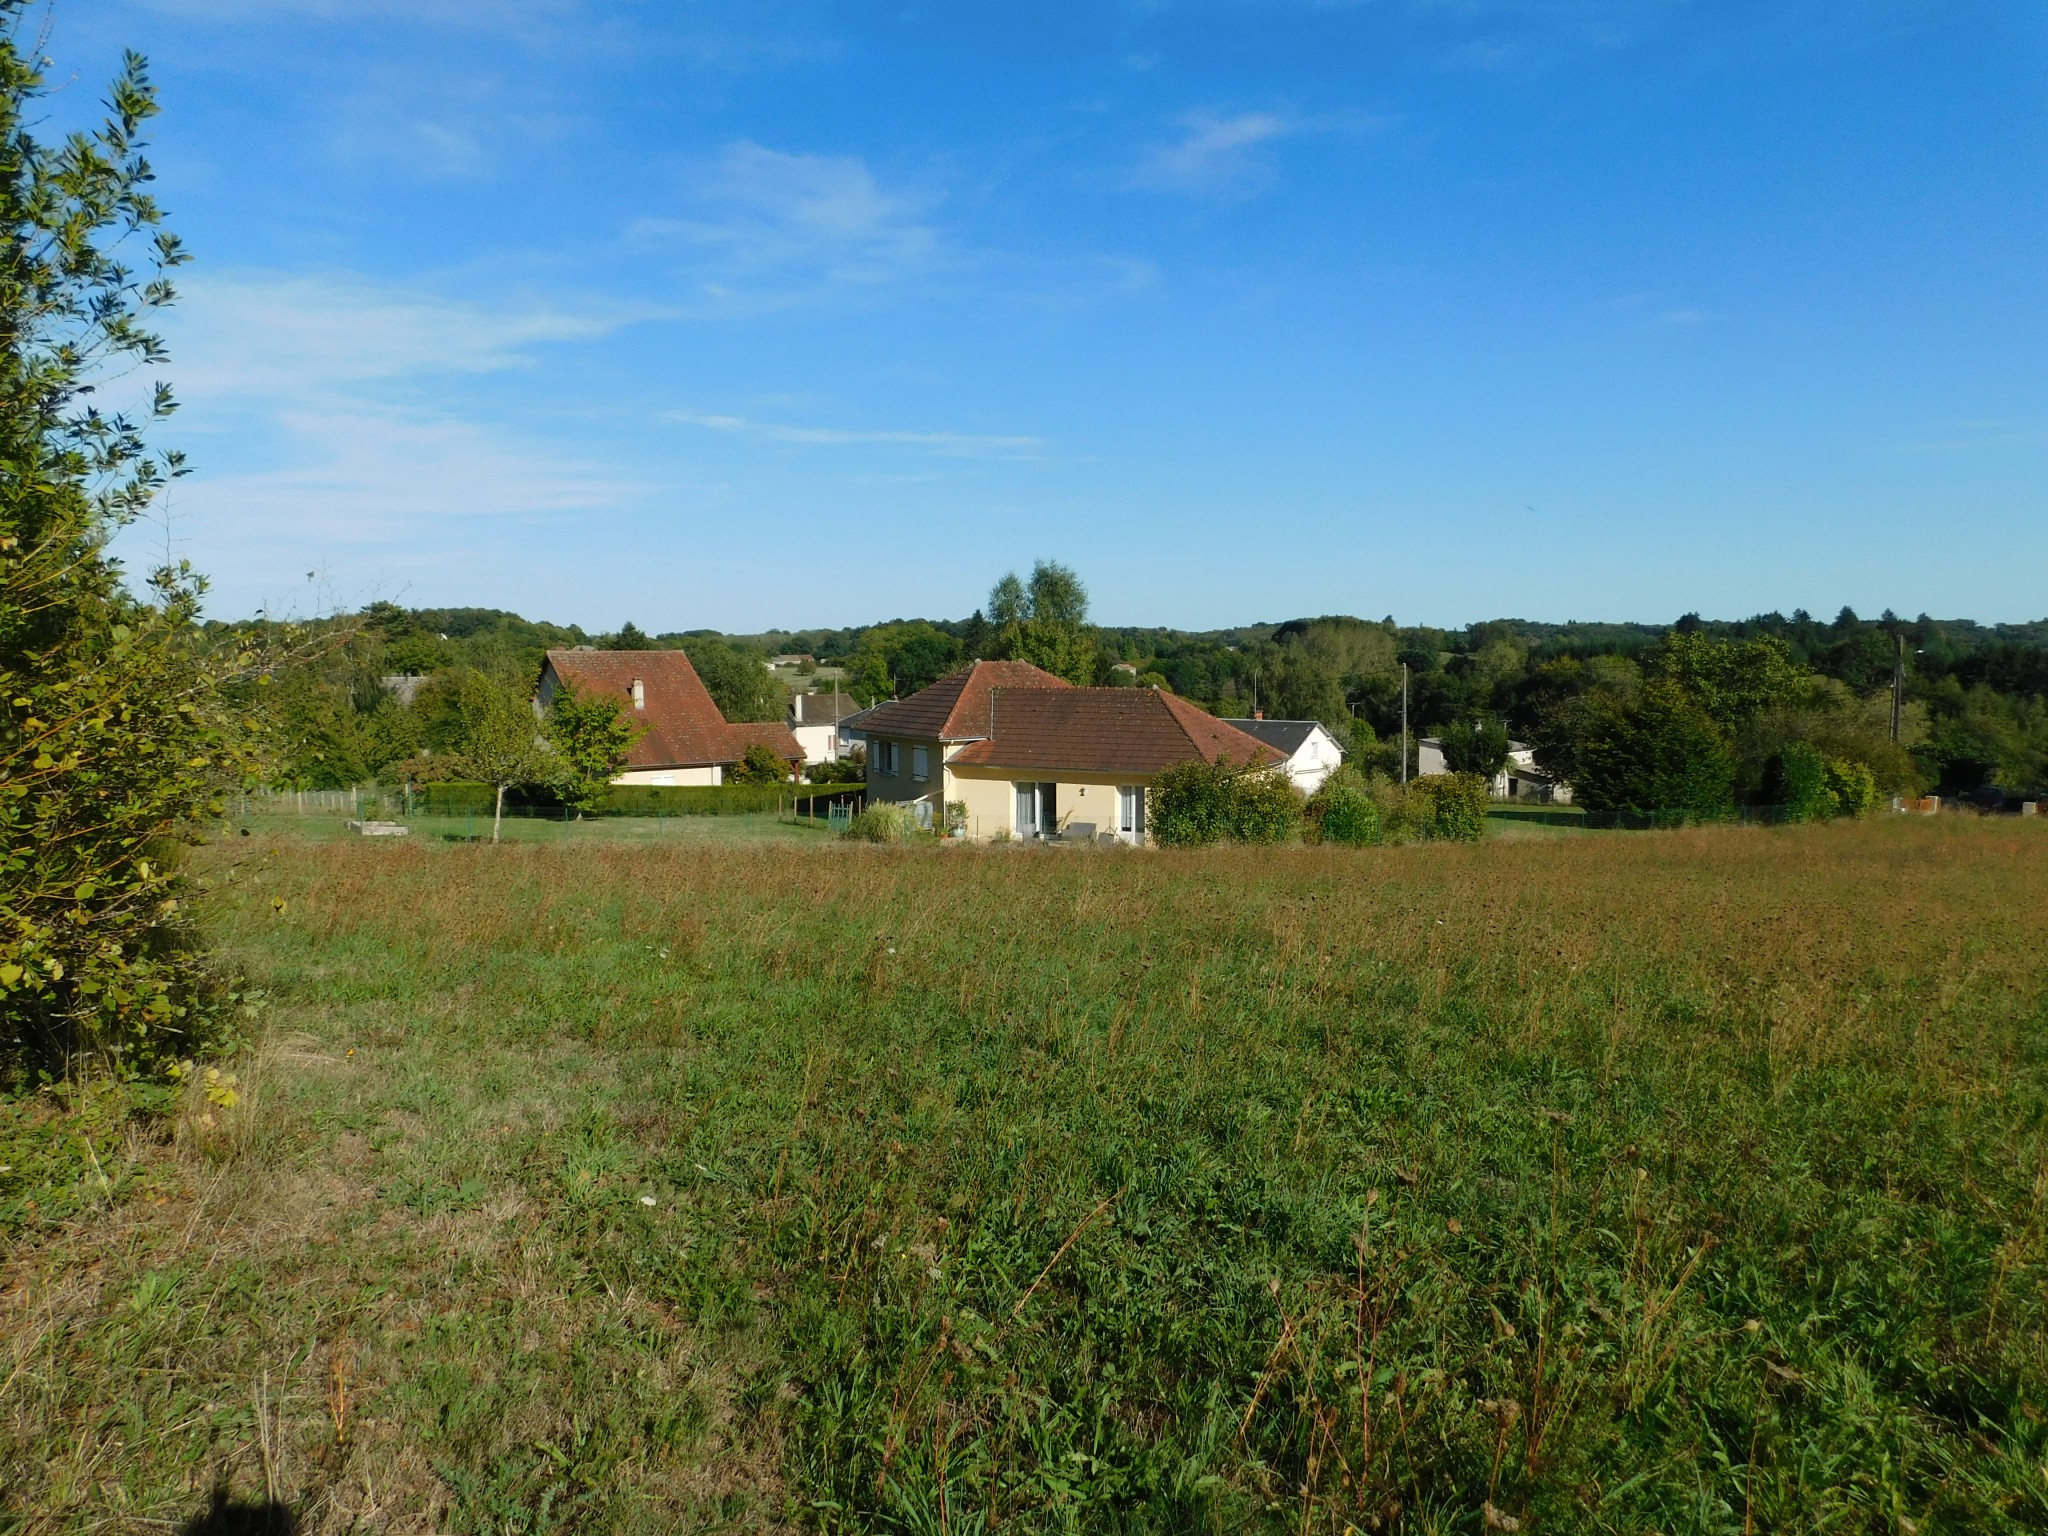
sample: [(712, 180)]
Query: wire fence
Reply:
[(369, 808)]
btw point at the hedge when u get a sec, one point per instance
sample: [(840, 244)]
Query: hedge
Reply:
[(635, 799)]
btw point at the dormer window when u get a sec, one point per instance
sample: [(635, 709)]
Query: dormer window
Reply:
[(639, 692)]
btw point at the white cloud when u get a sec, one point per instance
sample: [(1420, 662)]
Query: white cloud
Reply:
[(371, 477), (329, 413), (293, 337), (782, 432), (825, 215), (1214, 154)]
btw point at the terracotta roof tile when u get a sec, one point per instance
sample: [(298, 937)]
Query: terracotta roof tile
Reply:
[(770, 733), (955, 708), (1138, 731), (683, 728)]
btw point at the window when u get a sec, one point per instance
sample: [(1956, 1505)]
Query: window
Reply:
[(1035, 813), (885, 757), (920, 763), (1130, 812)]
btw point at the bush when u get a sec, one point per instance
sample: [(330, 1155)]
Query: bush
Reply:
[(1344, 811), (883, 821), (1854, 787), (759, 765), (848, 770), (1190, 804), (119, 726), (1450, 807), (1655, 759), (1350, 816), (1797, 781), (1266, 808), (1193, 804)]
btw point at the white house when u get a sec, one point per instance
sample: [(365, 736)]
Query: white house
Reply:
[(1312, 752), (1521, 779), (815, 720)]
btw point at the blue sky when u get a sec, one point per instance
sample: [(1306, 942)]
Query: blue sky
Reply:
[(749, 315)]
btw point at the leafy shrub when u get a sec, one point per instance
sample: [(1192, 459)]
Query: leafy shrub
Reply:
[(1343, 810), (1655, 759), (1193, 804), (848, 770), (1854, 787), (1449, 807), (117, 735), (759, 765), (1265, 808), (1190, 804), (1797, 781), (883, 821), (1475, 746)]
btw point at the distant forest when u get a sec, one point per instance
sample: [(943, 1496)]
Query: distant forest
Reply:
[(1975, 695)]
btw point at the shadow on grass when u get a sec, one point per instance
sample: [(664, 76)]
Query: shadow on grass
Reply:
[(224, 1516)]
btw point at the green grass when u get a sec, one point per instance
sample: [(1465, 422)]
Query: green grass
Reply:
[(686, 831), (1684, 1182)]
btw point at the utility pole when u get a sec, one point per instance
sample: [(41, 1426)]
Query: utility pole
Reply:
[(1898, 684), (1404, 722)]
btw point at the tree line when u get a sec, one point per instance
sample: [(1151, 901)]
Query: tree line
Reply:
[(1973, 716)]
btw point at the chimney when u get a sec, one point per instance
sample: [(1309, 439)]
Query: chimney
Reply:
[(1258, 714), (639, 694), (798, 700)]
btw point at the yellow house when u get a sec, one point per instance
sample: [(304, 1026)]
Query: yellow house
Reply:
[(1022, 753)]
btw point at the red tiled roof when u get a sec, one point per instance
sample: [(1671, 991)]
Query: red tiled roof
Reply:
[(1138, 731), (955, 708), (682, 726), (770, 733)]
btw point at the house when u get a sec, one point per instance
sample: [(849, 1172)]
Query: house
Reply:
[(1311, 751), (1022, 753), (853, 734), (684, 739), (814, 720), (1521, 779)]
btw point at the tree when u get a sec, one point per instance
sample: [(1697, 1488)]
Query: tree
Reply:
[(1475, 746), (1731, 680), (760, 765), (1658, 757), (904, 657), (1057, 596), (738, 681), (632, 638), (117, 738), (1045, 624), (502, 741), (1008, 603), (592, 737)]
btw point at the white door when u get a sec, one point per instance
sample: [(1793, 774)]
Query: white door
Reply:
[(1027, 810), (1130, 813)]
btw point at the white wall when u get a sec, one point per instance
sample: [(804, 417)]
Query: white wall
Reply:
[(710, 774)]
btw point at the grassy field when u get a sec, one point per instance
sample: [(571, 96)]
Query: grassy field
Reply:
[(689, 831), (1678, 1182)]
